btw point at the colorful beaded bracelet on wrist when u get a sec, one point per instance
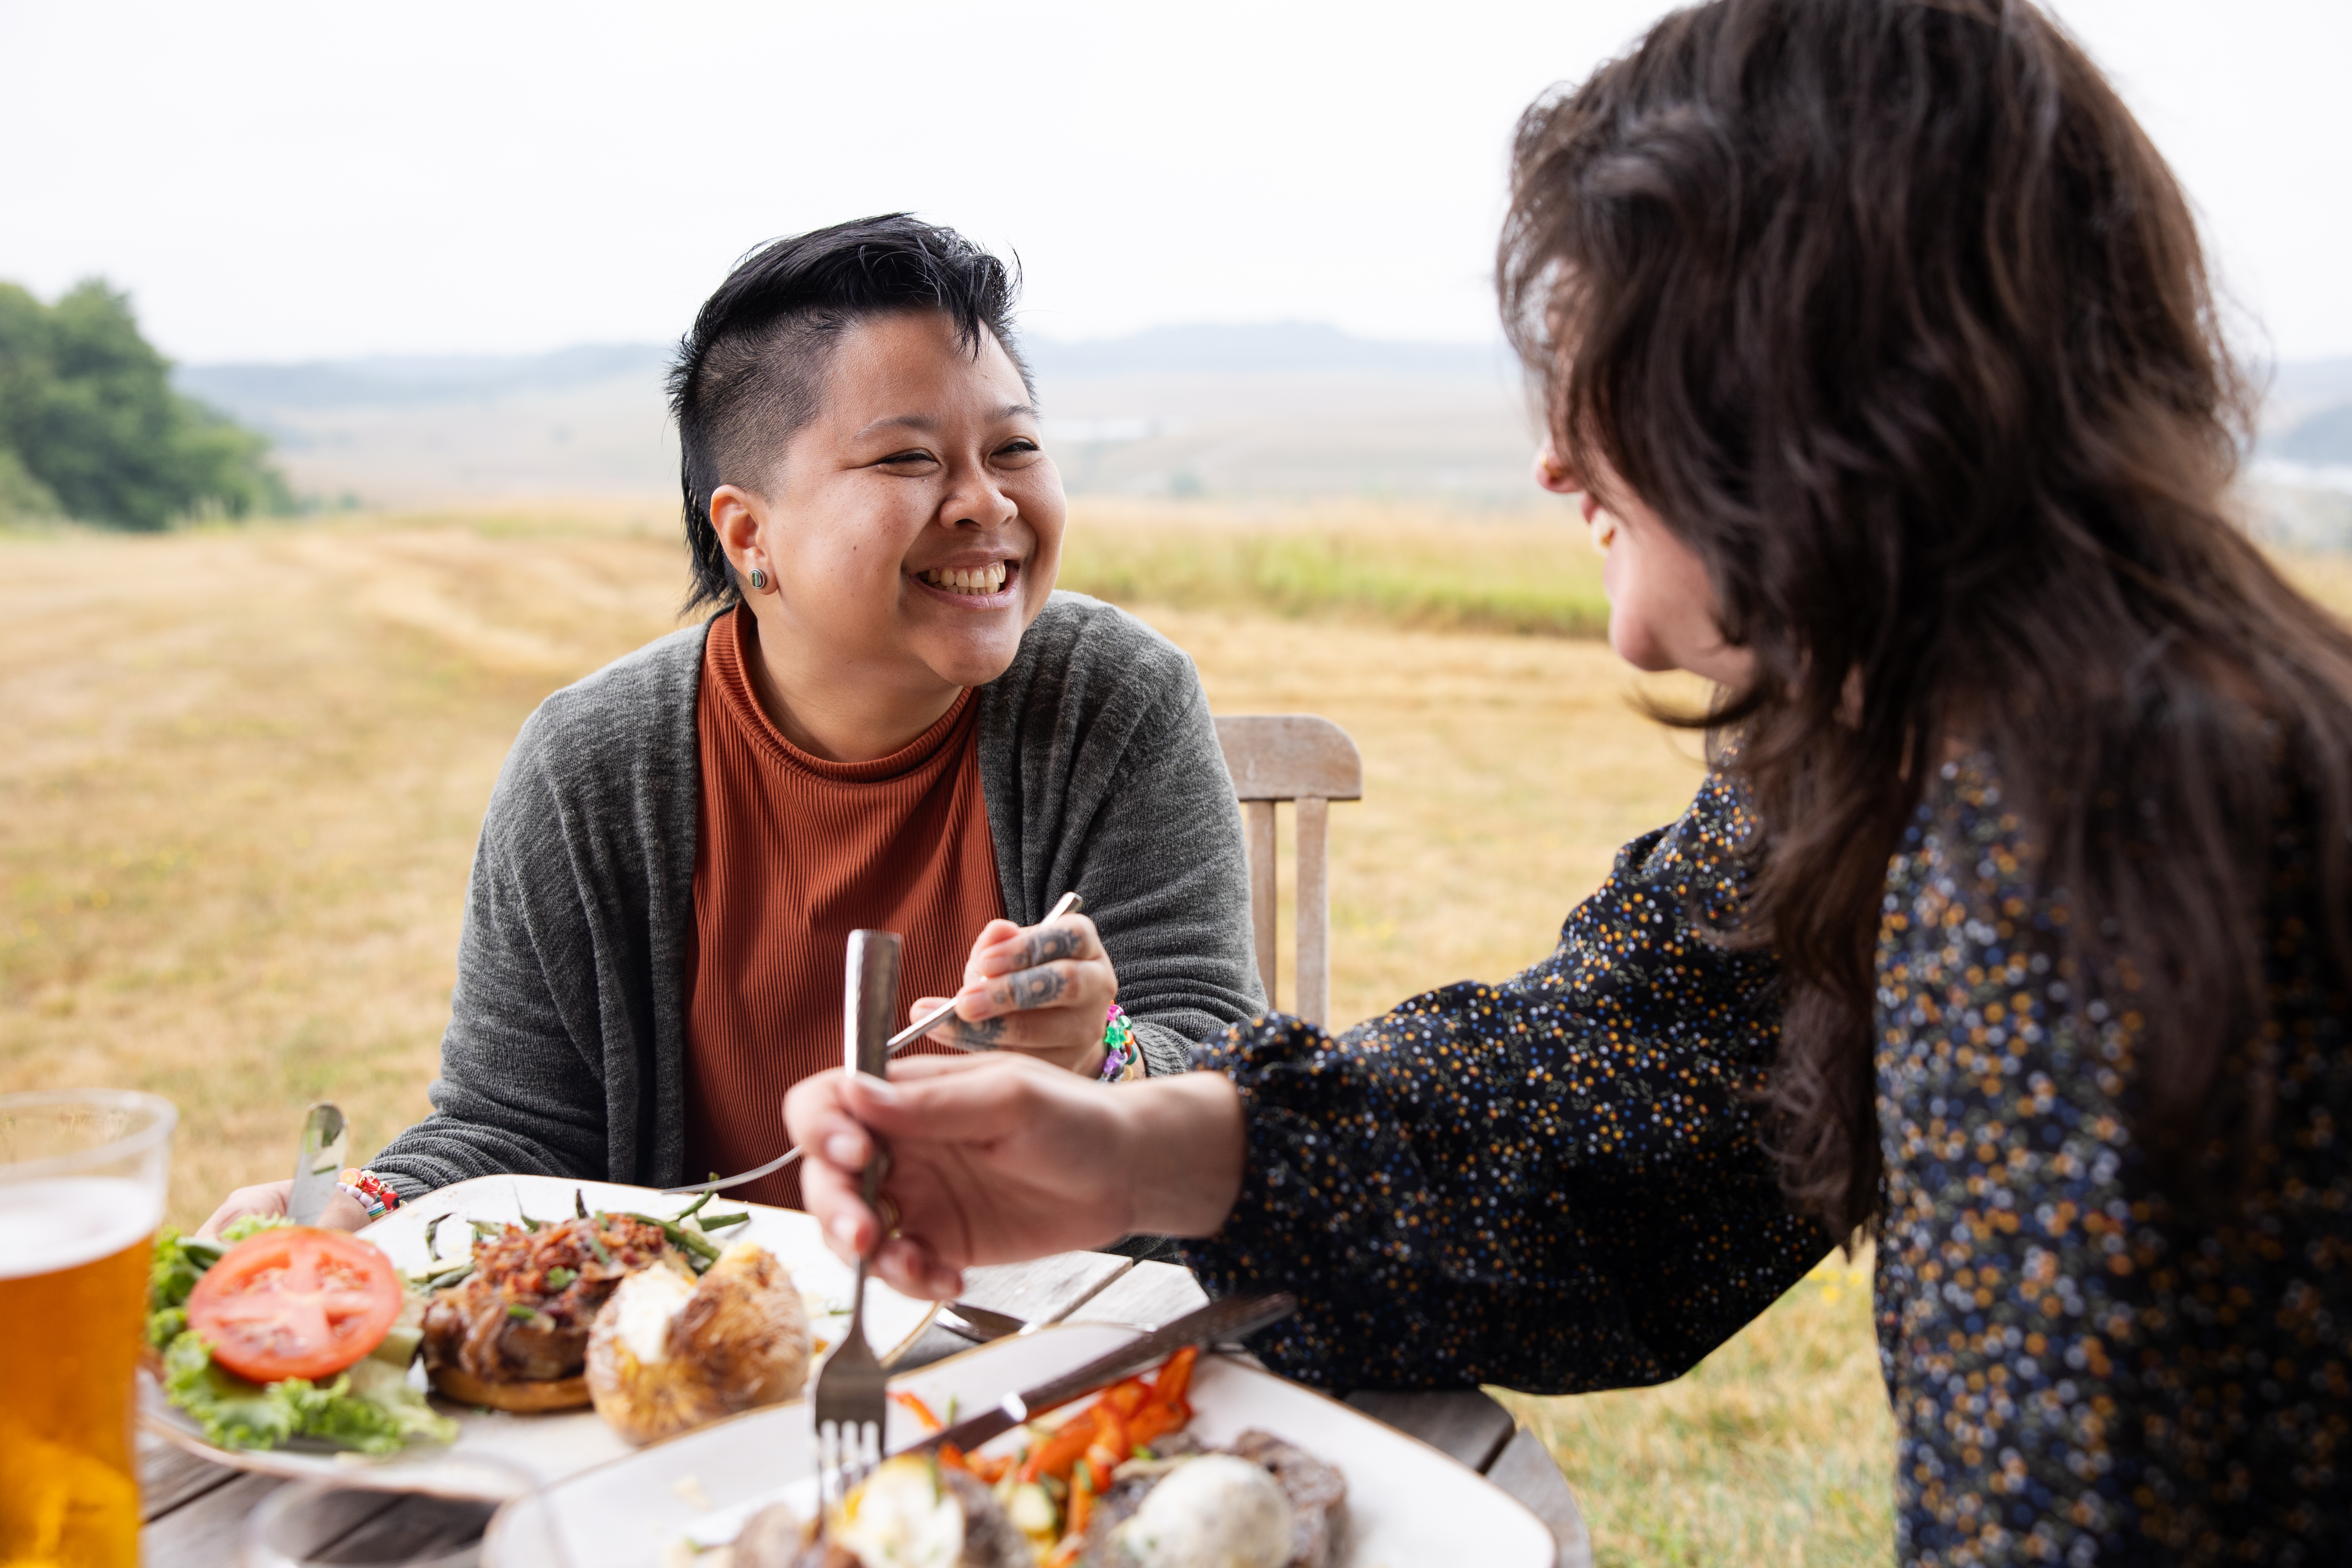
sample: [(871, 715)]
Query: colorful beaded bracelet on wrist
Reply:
[(371, 1191), (1122, 1056)]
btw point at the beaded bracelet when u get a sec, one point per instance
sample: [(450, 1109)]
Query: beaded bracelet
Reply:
[(1122, 1055), (372, 1192)]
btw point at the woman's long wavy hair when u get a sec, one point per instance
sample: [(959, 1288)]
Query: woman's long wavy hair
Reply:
[(1892, 312)]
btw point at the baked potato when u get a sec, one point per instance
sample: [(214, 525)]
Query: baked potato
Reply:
[(671, 1352)]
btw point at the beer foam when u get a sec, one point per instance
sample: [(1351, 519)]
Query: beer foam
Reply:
[(47, 1226)]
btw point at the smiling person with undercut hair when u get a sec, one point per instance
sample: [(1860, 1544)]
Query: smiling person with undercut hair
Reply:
[(891, 720)]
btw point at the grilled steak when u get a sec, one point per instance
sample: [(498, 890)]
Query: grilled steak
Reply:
[(524, 1314), (1318, 1494)]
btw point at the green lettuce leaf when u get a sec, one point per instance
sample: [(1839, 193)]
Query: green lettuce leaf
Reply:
[(385, 1387), (370, 1407), (166, 1324), (178, 1262), (247, 1225), (235, 1413)]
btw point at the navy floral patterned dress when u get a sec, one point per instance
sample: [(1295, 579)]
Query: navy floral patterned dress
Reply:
[(1557, 1185)]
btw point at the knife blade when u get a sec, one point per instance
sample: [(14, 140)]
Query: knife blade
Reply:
[(1213, 1324), (980, 1323), (319, 1162)]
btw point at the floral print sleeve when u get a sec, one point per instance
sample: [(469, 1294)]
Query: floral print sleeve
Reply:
[(2078, 1375), (1554, 1183)]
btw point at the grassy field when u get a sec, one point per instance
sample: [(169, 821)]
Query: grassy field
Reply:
[(241, 773), (1398, 565)]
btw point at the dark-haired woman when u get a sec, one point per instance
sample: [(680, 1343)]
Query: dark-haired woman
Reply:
[(2011, 925), (892, 721)]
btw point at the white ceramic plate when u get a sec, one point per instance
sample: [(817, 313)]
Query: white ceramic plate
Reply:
[(548, 1446), (1407, 1503)]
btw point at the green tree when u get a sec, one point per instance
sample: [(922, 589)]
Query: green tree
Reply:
[(90, 427)]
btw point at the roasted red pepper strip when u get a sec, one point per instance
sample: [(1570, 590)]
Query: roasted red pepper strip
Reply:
[(922, 1412), (1128, 1397), (1111, 1445), (1153, 1420), (1056, 1454), (1175, 1379)]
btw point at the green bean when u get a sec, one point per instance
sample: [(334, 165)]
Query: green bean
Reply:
[(521, 1313), (721, 1221), (682, 1239), (456, 1276), (690, 1209), (579, 1205), (596, 1242)]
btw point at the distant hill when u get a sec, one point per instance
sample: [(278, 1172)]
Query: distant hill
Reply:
[(1279, 348), (387, 381), (2297, 388), (1287, 408), (1292, 407)]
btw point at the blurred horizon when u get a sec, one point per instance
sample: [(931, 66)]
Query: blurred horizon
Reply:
[(1284, 410)]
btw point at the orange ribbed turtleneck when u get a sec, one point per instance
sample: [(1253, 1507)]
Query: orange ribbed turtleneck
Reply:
[(794, 854)]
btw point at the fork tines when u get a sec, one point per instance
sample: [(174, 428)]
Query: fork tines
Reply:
[(849, 1407), (846, 1454)]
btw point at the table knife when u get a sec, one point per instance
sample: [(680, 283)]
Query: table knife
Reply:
[(1213, 1324), (325, 1136), (980, 1323)]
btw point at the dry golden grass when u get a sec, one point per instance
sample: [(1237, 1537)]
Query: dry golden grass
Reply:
[(240, 781), (1398, 565), (241, 773), (1778, 1448)]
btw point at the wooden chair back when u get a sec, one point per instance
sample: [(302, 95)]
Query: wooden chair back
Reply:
[(1309, 762)]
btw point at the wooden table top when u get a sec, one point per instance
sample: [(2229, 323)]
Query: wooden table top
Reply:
[(196, 1511)]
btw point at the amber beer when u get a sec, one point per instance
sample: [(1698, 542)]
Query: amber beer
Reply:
[(76, 1227)]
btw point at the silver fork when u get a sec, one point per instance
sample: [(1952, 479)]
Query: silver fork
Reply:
[(851, 1404)]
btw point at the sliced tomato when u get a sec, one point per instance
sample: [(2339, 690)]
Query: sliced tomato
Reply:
[(295, 1303)]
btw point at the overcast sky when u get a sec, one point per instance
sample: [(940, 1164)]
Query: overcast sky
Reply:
[(281, 182)]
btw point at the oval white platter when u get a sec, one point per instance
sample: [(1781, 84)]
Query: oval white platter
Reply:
[(563, 1442), (1407, 1502)]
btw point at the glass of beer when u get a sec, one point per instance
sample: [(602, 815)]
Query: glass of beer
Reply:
[(82, 1177)]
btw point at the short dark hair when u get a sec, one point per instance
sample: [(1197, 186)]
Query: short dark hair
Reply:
[(748, 375)]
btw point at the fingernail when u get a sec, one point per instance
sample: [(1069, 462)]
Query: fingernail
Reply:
[(877, 1090), (844, 1229), (842, 1150)]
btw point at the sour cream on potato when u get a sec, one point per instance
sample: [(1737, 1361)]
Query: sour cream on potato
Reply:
[(1215, 1512), (902, 1518)]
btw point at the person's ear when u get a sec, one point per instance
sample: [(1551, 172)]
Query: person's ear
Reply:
[(1555, 475), (739, 518)]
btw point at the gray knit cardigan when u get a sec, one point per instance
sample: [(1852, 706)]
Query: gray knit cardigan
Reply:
[(565, 1052)]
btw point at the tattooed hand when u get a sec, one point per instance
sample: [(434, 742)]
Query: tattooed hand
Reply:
[(1041, 991)]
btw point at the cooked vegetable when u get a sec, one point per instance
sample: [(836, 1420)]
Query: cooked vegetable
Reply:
[(669, 1352), (294, 1303)]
